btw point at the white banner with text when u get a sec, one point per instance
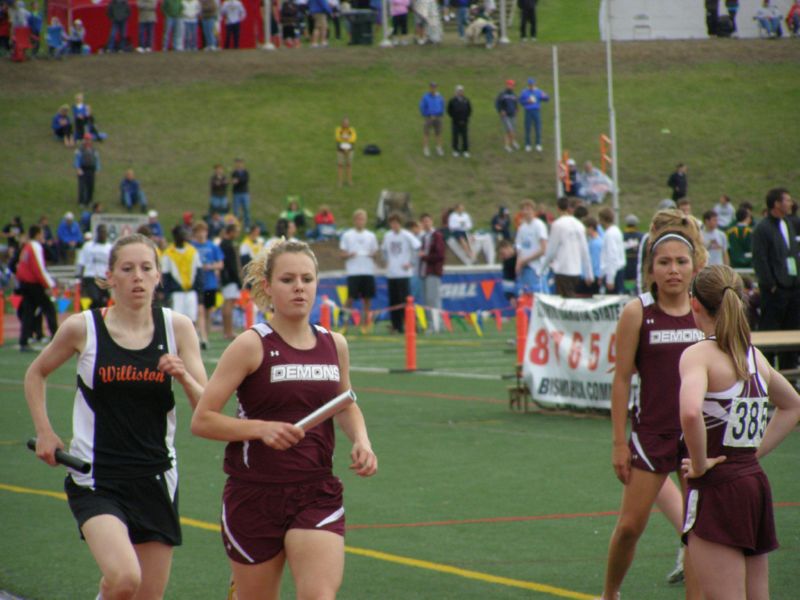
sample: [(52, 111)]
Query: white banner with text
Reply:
[(571, 350)]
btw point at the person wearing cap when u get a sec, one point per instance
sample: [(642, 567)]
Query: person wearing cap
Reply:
[(531, 100), (70, 237), (86, 163), (431, 107), (459, 109), (156, 230), (131, 192), (506, 106), (631, 239)]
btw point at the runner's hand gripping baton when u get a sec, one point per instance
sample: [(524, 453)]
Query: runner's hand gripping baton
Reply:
[(327, 410), (66, 459)]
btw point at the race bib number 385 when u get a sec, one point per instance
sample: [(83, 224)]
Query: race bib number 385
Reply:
[(746, 423)]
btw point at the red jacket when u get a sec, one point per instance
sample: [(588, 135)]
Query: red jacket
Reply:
[(794, 11), (432, 260), (31, 269)]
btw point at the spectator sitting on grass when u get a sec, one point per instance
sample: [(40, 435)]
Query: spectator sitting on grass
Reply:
[(594, 184), (481, 25), (459, 223), (295, 212), (131, 193), (76, 45), (56, 38), (62, 126), (325, 225)]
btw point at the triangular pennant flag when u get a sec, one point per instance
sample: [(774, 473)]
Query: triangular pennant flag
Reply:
[(498, 317), (85, 303), (446, 320), (341, 291), (356, 316), (423, 322), (64, 304), (487, 285), (15, 300), (336, 312), (459, 319), (473, 317)]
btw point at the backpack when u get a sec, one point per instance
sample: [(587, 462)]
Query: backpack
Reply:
[(371, 150)]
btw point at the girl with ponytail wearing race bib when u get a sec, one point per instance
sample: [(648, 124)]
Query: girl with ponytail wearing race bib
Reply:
[(726, 387), (282, 503), (653, 330)]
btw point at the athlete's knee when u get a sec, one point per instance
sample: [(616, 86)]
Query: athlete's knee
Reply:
[(121, 584), (630, 529)]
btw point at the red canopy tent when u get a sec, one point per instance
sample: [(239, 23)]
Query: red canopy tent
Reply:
[(94, 15)]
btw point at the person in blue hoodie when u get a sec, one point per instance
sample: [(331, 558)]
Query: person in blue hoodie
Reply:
[(506, 106), (319, 10), (431, 107), (531, 100)]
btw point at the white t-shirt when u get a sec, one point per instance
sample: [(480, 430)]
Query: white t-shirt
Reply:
[(612, 255), (399, 249), (529, 241), (716, 242), (459, 222), (94, 259), (568, 250), (364, 245)]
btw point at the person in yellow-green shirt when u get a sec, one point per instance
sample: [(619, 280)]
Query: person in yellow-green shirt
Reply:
[(345, 143), (182, 274)]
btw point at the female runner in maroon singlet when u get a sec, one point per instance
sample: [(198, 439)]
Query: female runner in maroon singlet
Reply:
[(652, 332), (282, 503), (726, 385)]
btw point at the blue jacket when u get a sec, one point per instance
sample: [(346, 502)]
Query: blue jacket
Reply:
[(55, 123), (537, 95), (319, 6), (506, 102), (431, 105), (130, 186), (69, 232)]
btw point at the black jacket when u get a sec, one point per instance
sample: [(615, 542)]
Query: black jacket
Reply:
[(770, 254), (459, 109)]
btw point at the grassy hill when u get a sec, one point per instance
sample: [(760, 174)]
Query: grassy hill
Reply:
[(727, 104)]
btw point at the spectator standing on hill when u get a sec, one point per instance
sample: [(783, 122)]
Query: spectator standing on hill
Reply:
[(678, 182), (93, 266), (86, 163), (715, 240), (189, 15), (732, 6), (740, 242), (230, 277), (462, 15), (775, 260), (290, 15), (70, 238), (147, 24), (346, 137), (431, 268), (240, 180), (319, 10), (233, 13), (506, 106), (459, 110), (431, 107), (209, 11), (399, 247), (568, 251), (612, 255), (173, 26), (527, 19), (34, 281), (35, 22), (358, 247), (131, 193), (211, 259), (725, 212), (62, 126), (218, 191), (399, 11), (631, 238), (118, 12), (531, 100), (712, 18)]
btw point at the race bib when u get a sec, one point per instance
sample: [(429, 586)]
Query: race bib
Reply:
[(746, 422), (791, 266)]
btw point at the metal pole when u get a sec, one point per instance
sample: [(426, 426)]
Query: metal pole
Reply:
[(386, 42), (557, 119), (268, 45), (503, 29), (612, 118)]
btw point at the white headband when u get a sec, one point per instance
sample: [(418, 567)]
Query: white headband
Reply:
[(672, 236)]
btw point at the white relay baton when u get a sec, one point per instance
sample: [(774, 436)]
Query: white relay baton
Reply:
[(327, 410)]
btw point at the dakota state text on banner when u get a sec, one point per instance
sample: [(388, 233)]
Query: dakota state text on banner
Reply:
[(570, 350)]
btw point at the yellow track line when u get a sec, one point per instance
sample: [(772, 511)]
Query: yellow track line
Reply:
[(393, 558)]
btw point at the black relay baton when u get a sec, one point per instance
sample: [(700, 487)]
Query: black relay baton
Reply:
[(65, 459)]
